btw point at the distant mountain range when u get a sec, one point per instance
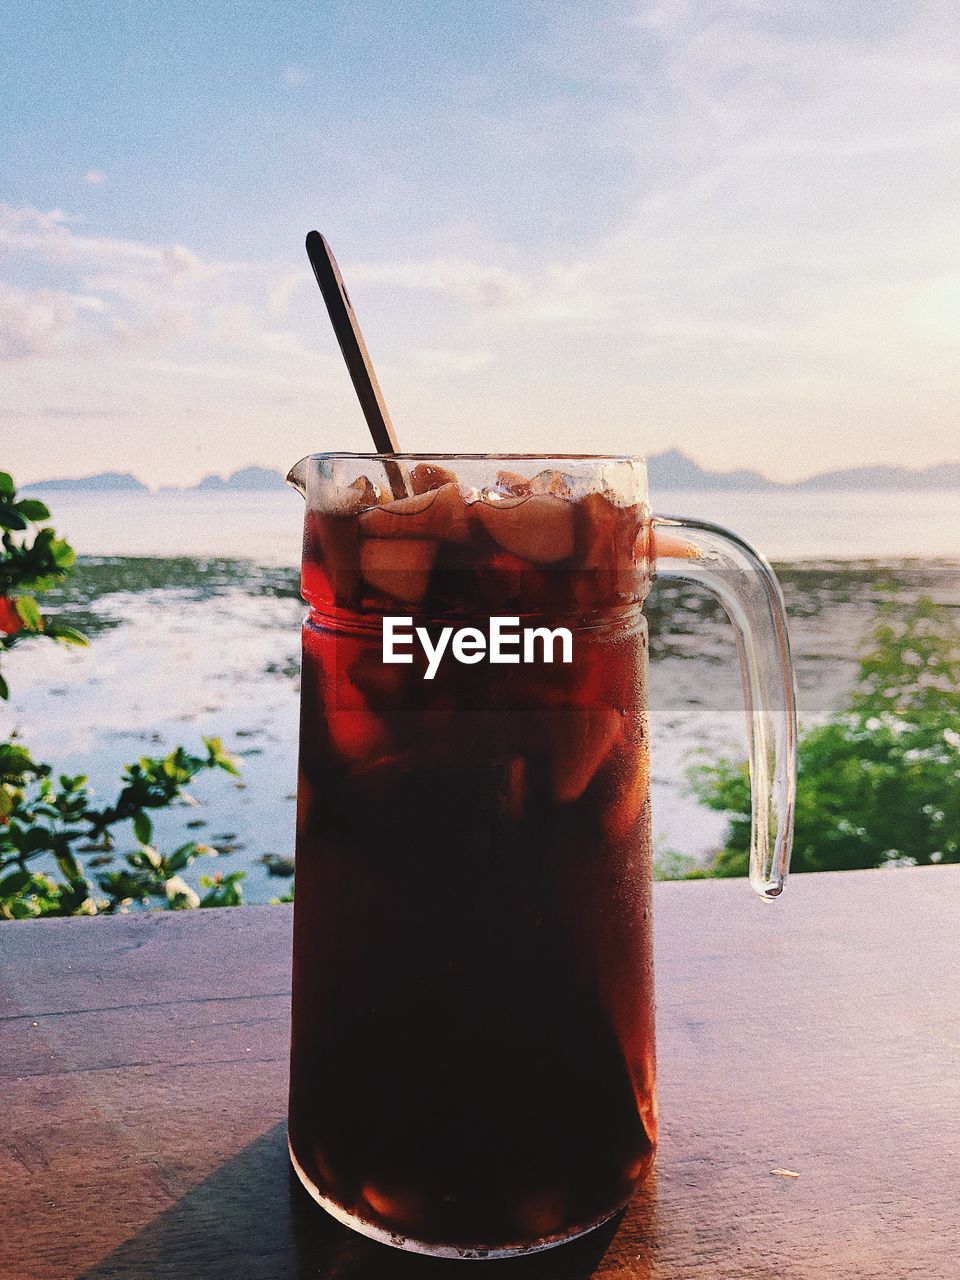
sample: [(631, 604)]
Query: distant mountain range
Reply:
[(669, 470), (675, 470), (246, 480)]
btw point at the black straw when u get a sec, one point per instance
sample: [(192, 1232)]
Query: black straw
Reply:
[(352, 345)]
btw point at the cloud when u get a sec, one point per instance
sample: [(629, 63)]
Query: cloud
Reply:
[(781, 273), (48, 237), (37, 323), (280, 291), (163, 325), (787, 169), (107, 293), (476, 285), (95, 177), (48, 322), (760, 259)]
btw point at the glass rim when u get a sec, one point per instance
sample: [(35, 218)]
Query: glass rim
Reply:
[(479, 457)]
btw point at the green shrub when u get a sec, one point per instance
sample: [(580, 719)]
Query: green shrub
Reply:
[(32, 560), (879, 782), (48, 822), (57, 821)]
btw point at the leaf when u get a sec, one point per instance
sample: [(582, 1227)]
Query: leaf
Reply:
[(39, 897), (182, 857), (223, 891), (71, 868), (33, 509), (142, 827), (7, 487), (72, 782), (62, 554), (124, 885), (29, 612), (66, 635), (14, 883), (10, 518), (15, 761), (218, 758), (4, 689), (36, 838)]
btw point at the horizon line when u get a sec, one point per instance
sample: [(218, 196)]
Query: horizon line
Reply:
[(706, 473)]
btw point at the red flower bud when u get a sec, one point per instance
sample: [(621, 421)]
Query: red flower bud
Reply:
[(10, 620)]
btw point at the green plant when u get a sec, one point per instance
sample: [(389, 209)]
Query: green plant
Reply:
[(879, 782), (33, 559), (671, 864), (57, 823), (49, 824), (222, 890)]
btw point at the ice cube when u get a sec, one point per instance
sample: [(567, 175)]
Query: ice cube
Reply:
[(344, 500), (336, 536), (381, 683), (358, 734), (609, 542), (397, 518), (503, 576), (583, 737), (437, 513), (401, 1207), (513, 483), (426, 476), (597, 531), (399, 567), (538, 528), (552, 482)]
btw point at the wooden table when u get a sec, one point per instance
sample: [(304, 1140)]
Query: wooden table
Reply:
[(143, 1064)]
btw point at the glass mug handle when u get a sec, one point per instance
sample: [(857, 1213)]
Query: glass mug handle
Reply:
[(749, 592)]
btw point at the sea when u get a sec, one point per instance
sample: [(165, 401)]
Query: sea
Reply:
[(265, 527), (192, 607)]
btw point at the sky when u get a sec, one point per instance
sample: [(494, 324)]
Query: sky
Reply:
[(729, 226)]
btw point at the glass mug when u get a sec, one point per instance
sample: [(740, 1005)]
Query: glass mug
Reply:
[(472, 1063)]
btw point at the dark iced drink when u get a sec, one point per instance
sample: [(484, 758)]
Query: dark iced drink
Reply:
[(473, 1041)]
